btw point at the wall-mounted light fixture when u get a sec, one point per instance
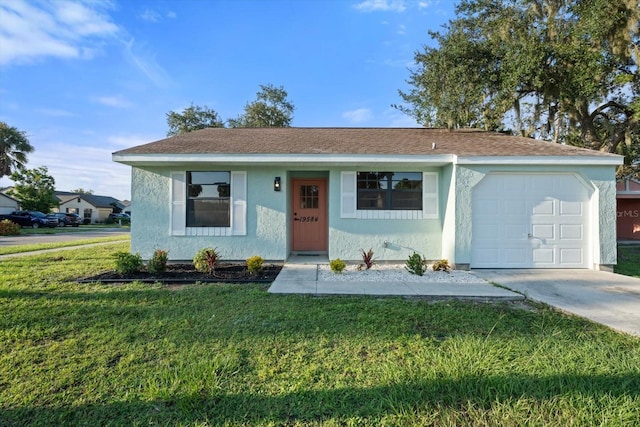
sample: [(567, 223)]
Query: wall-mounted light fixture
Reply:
[(276, 184)]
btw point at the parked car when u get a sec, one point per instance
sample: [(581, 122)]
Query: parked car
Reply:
[(65, 219), (33, 219), (117, 216)]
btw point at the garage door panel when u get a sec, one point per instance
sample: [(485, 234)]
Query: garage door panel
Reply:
[(515, 208), (571, 256), (544, 256), (514, 231), (544, 207), (571, 232), (570, 208), (530, 221), (515, 256), (544, 231)]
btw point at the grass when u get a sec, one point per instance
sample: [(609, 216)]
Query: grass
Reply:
[(69, 229), (208, 355), (628, 260), (6, 250)]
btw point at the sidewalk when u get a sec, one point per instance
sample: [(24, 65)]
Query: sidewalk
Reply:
[(299, 275)]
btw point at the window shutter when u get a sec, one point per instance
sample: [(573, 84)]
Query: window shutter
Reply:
[(430, 207), (178, 203), (348, 195), (239, 203)]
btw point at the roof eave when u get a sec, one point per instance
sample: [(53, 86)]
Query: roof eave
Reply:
[(601, 160), (279, 159)]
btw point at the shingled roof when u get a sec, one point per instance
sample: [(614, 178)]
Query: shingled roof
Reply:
[(365, 141)]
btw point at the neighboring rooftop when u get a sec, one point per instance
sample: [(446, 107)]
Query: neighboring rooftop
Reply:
[(95, 200), (365, 141)]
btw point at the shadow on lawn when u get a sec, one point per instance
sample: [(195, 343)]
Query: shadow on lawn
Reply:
[(481, 393)]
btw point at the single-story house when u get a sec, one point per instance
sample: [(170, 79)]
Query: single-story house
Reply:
[(628, 209), (93, 208), (8, 204), (478, 199)]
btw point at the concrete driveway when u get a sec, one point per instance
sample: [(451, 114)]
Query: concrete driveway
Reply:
[(607, 298)]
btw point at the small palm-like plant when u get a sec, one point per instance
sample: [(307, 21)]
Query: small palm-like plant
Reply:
[(367, 258), (206, 260)]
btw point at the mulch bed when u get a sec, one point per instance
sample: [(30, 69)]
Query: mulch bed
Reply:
[(186, 273)]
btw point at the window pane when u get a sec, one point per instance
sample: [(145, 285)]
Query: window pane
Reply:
[(208, 203), (390, 190)]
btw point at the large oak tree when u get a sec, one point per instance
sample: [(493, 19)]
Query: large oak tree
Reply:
[(560, 70)]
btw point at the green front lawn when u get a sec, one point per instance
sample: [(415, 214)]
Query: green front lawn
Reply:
[(6, 250), (207, 355), (628, 260)]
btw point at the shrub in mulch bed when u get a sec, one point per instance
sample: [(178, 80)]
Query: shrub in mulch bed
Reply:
[(186, 273)]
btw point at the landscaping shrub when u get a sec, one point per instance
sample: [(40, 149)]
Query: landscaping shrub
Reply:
[(254, 264), (9, 228), (416, 264), (337, 265), (128, 263), (158, 262), (206, 260), (367, 258), (442, 265)]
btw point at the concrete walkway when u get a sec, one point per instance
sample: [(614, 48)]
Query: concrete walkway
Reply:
[(300, 276), (607, 298)]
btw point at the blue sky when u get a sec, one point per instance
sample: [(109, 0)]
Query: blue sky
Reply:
[(86, 78)]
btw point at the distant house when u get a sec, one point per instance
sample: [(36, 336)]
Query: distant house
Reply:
[(95, 209), (628, 209), (478, 199), (8, 204)]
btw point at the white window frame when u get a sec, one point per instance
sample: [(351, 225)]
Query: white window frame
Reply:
[(237, 208), (349, 195)]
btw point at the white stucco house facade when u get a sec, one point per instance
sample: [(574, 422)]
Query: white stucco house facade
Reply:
[(478, 199)]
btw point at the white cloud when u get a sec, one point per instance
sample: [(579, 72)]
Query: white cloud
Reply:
[(53, 112), (381, 6), (171, 15), (358, 116), (402, 30), (150, 15), (61, 29), (113, 101), (146, 63)]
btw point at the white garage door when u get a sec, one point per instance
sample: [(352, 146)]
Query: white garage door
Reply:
[(530, 221)]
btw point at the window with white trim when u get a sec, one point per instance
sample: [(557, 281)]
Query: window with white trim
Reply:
[(389, 195), (208, 203), (208, 199), (389, 190)]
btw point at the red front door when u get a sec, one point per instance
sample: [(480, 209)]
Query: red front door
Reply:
[(309, 219)]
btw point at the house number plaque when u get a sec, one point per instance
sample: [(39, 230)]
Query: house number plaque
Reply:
[(307, 219)]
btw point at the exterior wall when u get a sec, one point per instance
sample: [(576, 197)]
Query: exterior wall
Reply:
[(448, 212), (269, 219), (266, 217), (601, 178), (8, 204), (79, 204), (348, 235)]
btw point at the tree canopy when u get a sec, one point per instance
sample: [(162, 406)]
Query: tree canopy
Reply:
[(561, 70), (270, 109), (192, 118), (35, 189), (14, 147)]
